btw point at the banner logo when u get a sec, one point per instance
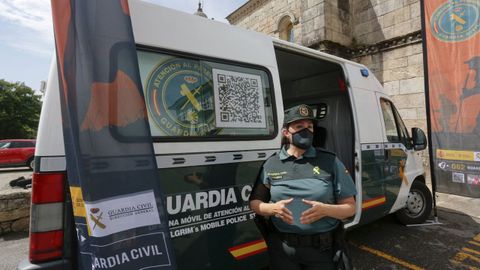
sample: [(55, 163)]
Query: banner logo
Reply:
[(179, 96), (456, 21), (96, 219), (122, 213)]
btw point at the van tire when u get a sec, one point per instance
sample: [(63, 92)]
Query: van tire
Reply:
[(31, 163), (418, 206)]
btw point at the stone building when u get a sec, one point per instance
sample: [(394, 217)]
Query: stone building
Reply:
[(384, 35)]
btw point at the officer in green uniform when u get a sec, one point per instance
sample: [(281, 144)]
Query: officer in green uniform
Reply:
[(304, 192)]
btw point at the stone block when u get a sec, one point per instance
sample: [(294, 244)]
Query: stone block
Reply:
[(395, 63), (415, 24), (388, 19), (18, 203), (403, 28), (398, 4), (416, 48), (376, 36), (422, 114), (402, 15), (5, 227), (311, 13), (410, 101), (14, 214), (388, 32), (363, 28), (387, 7), (415, 71), (21, 225), (392, 88), (416, 59), (308, 27), (408, 114), (415, 10), (312, 3), (412, 85), (398, 53)]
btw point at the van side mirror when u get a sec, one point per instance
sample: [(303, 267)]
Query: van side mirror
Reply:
[(419, 139)]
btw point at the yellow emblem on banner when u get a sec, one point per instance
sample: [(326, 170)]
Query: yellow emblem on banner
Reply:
[(457, 155), (77, 202)]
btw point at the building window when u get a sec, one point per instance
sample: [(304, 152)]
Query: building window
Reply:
[(285, 29)]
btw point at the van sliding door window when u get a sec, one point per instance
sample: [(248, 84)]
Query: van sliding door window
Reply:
[(199, 98)]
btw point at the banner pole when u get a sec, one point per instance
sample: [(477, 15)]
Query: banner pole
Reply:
[(427, 110)]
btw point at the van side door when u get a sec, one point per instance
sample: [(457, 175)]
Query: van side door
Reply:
[(396, 148)]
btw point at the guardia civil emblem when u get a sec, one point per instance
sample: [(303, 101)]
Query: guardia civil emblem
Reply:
[(303, 110), (456, 20), (179, 97)]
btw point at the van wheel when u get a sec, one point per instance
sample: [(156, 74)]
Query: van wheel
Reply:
[(31, 163), (419, 205)]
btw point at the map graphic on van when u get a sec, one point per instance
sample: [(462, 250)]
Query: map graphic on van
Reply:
[(179, 97)]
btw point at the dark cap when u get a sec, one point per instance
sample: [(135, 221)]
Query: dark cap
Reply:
[(298, 112)]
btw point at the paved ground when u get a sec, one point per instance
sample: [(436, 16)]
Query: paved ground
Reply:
[(382, 245), (386, 244), (13, 246)]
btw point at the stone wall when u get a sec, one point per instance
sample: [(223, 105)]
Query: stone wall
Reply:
[(338, 21), (312, 22), (264, 16), (378, 20), (14, 210)]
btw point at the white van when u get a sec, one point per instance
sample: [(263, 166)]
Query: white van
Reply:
[(215, 95)]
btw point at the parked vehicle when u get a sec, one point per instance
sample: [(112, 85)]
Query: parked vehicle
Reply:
[(15, 153), (208, 157)]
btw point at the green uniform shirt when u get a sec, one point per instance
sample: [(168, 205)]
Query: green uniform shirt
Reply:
[(314, 176)]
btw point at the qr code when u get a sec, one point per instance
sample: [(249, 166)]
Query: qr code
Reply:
[(238, 99)]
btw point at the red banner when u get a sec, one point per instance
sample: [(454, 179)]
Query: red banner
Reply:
[(452, 39)]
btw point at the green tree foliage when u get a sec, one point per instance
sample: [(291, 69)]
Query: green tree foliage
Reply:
[(19, 111)]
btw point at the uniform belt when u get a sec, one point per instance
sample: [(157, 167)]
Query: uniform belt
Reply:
[(320, 241)]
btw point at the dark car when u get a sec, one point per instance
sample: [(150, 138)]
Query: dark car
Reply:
[(15, 153)]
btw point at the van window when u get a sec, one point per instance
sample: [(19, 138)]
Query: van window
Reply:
[(201, 98), (388, 117), (403, 132), (394, 127)]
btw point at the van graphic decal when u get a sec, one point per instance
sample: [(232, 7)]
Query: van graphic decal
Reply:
[(401, 170), (102, 109), (374, 202), (179, 97), (248, 249)]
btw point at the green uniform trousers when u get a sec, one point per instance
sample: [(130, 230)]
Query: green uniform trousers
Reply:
[(285, 257)]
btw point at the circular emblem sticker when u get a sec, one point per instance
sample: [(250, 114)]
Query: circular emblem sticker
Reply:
[(303, 111), (456, 20), (179, 97)]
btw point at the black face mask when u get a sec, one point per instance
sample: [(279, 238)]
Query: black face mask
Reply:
[(302, 139)]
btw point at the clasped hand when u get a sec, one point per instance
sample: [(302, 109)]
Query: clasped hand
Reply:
[(316, 211)]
